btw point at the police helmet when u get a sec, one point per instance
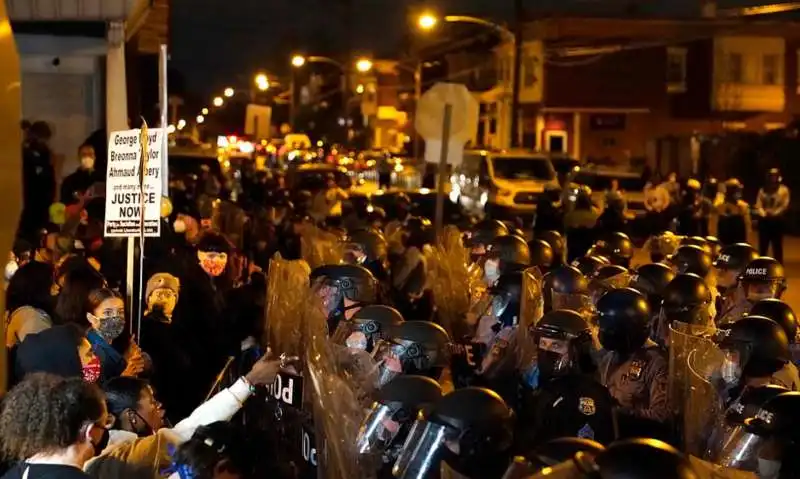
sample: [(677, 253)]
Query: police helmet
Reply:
[(651, 280), (692, 259), (696, 241), (574, 332), (750, 401), (370, 242), (715, 245), (760, 343), (511, 250), (606, 278), (415, 347), (642, 459), (541, 254), (780, 312), (349, 281), (367, 326), (733, 190), (735, 257), (486, 231), (623, 316), (589, 264), (556, 241), (686, 299), (763, 277), (778, 418), (617, 247), (563, 280), (507, 297), (711, 187), (774, 175)]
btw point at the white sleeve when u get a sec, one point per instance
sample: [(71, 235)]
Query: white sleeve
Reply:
[(221, 407)]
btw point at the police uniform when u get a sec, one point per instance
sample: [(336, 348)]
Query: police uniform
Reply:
[(639, 384), (568, 406), (733, 222), (772, 206)]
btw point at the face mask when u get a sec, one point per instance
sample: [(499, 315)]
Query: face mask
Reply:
[(111, 327), (87, 162), (91, 371), (768, 469), (731, 372), (214, 266), (179, 226), (102, 444), (491, 270)]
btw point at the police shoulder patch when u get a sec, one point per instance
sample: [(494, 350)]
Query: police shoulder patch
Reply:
[(586, 406), (586, 432)]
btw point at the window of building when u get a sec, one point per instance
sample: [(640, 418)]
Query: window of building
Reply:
[(735, 70), (529, 71), (770, 71), (676, 70)]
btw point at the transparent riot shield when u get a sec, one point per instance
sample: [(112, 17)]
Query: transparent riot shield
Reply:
[(319, 247), (341, 382), (531, 311), (452, 282), (599, 287), (684, 338), (703, 403), (287, 287)]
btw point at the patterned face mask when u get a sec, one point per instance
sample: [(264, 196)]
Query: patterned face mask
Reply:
[(110, 327), (91, 370), (213, 263)]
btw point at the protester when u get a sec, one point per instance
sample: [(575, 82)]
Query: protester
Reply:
[(52, 426), (326, 205), (60, 350), (216, 451), (76, 184), (772, 204), (75, 279), (140, 444), (105, 319), (29, 305)]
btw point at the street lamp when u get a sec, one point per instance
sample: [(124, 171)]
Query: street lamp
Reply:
[(298, 61), (204, 111), (262, 82), (364, 65), (200, 119), (181, 124), (218, 101), (229, 92), (427, 21)]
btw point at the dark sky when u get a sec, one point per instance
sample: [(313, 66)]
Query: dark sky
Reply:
[(214, 41)]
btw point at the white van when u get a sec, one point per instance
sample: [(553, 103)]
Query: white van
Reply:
[(501, 184)]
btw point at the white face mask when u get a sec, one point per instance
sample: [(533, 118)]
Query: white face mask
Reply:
[(87, 162), (180, 226), (491, 270)]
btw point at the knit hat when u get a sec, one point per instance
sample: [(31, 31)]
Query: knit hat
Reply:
[(162, 280)]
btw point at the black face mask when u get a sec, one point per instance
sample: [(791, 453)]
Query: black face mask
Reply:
[(102, 444)]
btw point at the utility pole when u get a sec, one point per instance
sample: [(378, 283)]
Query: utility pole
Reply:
[(519, 23)]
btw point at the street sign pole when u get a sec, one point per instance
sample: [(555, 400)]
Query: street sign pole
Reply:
[(440, 193)]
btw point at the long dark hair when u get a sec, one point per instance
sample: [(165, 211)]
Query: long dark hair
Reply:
[(30, 286), (71, 302), (96, 298)]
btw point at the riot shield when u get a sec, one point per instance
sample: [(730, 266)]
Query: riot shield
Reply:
[(452, 282), (341, 382), (684, 338), (599, 287), (319, 247), (531, 311), (286, 293), (702, 403)]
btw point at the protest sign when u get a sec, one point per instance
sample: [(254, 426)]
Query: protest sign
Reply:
[(127, 191)]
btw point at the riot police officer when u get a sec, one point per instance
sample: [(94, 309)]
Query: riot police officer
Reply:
[(733, 215), (635, 370), (368, 247), (617, 247), (549, 214), (762, 278), (769, 439), (783, 314), (730, 263), (566, 288), (343, 289), (389, 420), (589, 264), (368, 326), (690, 214), (715, 245), (541, 253), (568, 401), (482, 235), (755, 353), (409, 270), (771, 205), (651, 280), (688, 300), (557, 242), (691, 259), (415, 347), (468, 434), (708, 204), (503, 255)]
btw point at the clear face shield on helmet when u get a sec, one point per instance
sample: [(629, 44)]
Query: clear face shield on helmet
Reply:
[(357, 335), (599, 287), (697, 316), (334, 300), (395, 357), (423, 450), (741, 449), (378, 430), (756, 291), (578, 302)]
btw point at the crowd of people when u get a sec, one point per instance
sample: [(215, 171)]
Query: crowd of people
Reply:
[(298, 333)]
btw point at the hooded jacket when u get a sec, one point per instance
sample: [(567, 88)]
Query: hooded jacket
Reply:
[(53, 351)]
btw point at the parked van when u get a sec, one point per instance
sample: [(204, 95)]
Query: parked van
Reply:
[(501, 184)]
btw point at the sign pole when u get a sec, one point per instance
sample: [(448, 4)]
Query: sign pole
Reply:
[(129, 270), (164, 95), (448, 113)]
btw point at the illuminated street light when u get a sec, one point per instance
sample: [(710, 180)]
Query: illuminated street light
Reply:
[(229, 92), (200, 119), (218, 101), (427, 21), (171, 129), (360, 89), (181, 124), (298, 61), (262, 82), (204, 111), (364, 65)]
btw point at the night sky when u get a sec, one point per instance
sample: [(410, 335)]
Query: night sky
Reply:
[(213, 41)]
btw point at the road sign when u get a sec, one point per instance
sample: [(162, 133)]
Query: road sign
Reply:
[(430, 112), (127, 190)]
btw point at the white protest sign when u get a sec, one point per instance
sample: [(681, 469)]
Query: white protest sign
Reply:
[(124, 194)]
